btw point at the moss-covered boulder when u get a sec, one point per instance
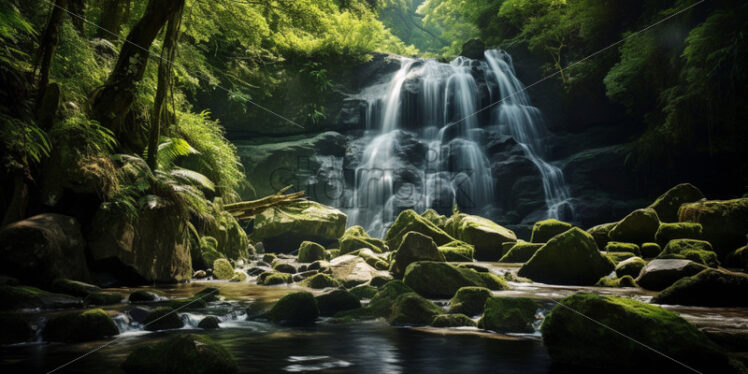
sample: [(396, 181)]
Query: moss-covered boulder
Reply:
[(354, 270), (434, 217), (85, 326), (659, 274), (283, 228), (452, 320), (163, 318), (27, 297), (600, 233), (355, 237), (336, 301), (319, 281), (631, 266), (650, 250), (194, 354), (42, 248), (638, 227), (724, 222), (457, 251), (272, 278), (363, 291), (442, 280), (708, 288), (222, 269), (678, 230), (376, 260), (15, 328), (622, 247), (568, 258), (624, 281), (509, 314), (617, 257), (72, 287), (412, 309), (209, 323), (667, 204), (572, 338), (103, 298), (295, 309), (414, 247), (738, 258), (409, 221), (485, 235), (284, 267), (542, 231), (469, 300), (311, 251), (695, 250), (521, 252)]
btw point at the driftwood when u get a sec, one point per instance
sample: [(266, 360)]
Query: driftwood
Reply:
[(249, 209)]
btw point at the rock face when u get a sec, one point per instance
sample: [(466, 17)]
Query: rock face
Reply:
[(484, 234), (295, 309), (575, 340), (667, 204), (356, 238), (710, 287), (543, 231), (442, 280), (90, 325), (568, 258), (154, 248), (725, 222), (407, 221), (283, 228), (509, 314), (414, 247), (695, 250), (520, 252), (42, 248), (181, 354), (353, 270), (659, 274), (679, 230), (638, 227)]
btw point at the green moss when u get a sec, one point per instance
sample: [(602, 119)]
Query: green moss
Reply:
[(504, 314), (414, 247), (380, 306), (193, 354), (434, 217), (520, 252), (407, 221), (624, 281), (85, 326), (364, 291), (238, 276), (724, 222), (268, 258), (650, 250), (600, 233), (695, 250), (469, 300), (162, 318), (319, 281), (485, 235), (336, 301), (209, 323), (412, 309), (542, 231), (713, 288), (311, 251), (638, 227), (20, 297), (617, 257), (738, 258), (285, 227), (295, 309), (622, 247), (679, 230), (356, 238), (457, 251), (208, 242), (284, 267), (631, 266), (142, 296), (210, 256), (668, 204), (442, 280), (103, 298), (371, 258), (270, 278), (452, 320), (222, 269)]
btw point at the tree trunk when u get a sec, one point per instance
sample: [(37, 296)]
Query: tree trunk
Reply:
[(112, 102), (47, 46), (78, 8), (113, 15), (19, 200), (165, 81)]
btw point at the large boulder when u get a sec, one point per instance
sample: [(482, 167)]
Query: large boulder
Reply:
[(569, 258), (311, 251), (42, 248), (184, 353), (27, 297), (631, 267), (484, 234), (353, 270), (667, 204), (163, 318), (614, 332), (152, 248), (542, 231), (336, 301), (638, 227), (458, 251), (600, 233), (408, 220), (725, 222), (469, 300), (695, 250), (678, 230), (283, 228), (659, 274), (520, 252), (295, 309), (355, 237), (412, 309), (437, 219), (84, 326), (442, 280), (452, 320), (320, 281), (509, 314), (473, 49), (710, 287), (414, 247)]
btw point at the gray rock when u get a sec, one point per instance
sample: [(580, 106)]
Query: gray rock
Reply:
[(661, 273)]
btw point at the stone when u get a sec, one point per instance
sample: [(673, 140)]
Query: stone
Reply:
[(103, 298), (408, 221), (617, 257), (163, 318), (184, 353), (27, 297), (319, 281), (650, 250), (74, 288), (631, 266), (353, 270), (222, 269), (542, 231), (624, 281), (622, 247), (509, 314), (363, 291), (209, 323), (377, 261), (678, 230), (441, 280), (469, 300), (600, 233), (434, 217), (570, 258), (142, 296), (638, 227), (667, 204), (85, 326), (414, 247), (659, 274), (412, 309), (452, 320), (521, 252), (311, 251), (199, 274), (473, 49), (724, 222), (571, 338), (336, 301), (284, 227), (270, 278), (695, 250), (356, 238), (485, 235), (295, 309), (710, 287), (457, 251), (283, 267)]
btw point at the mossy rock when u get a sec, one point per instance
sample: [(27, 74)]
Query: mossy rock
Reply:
[(469, 300), (724, 222), (208, 242), (379, 280), (452, 320), (678, 230), (103, 298), (283, 267), (295, 309), (542, 231), (659, 274), (520, 252), (695, 250), (600, 233), (434, 217), (184, 353), (457, 251), (712, 288), (15, 328), (222, 269), (142, 296), (667, 204), (631, 266), (319, 281), (442, 280), (380, 305), (311, 251), (73, 287), (371, 258), (269, 258), (239, 276), (412, 309), (624, 281), (569, 258), (738, 258), (363, 291), (86, 326), (163, 318), (571, 338), (336, 301), (283, 228), (509, 314), (650, 250), (355, 237), (617, 257), (209, 323), (414, 247), (485, 235), (27, 297), (638, 227), (210, 256), (409, 221), (270, 278), (622, 247)]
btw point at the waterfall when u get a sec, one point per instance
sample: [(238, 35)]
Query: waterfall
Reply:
[(423, 142)]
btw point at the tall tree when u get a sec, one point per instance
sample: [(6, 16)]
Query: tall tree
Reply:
[(78, 10), (113, 15), (47, 46)]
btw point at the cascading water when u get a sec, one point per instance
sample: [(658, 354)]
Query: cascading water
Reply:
[(422, 148)]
